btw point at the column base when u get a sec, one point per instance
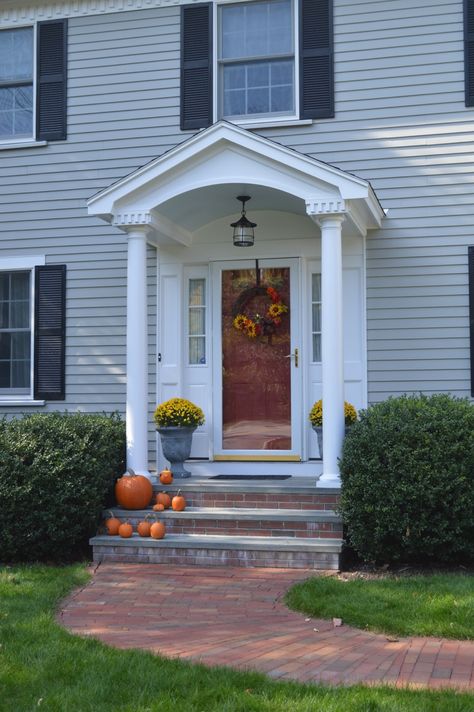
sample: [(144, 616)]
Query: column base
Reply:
[(329, 481)]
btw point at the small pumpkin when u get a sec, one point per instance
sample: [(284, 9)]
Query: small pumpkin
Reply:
[(164, 499), (158, 507), (125, 530), (157, 530), (178, 503), (166, 476), (133, 491), (143, 527), (112, 524)]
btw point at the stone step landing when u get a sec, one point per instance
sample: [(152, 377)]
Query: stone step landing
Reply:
[(211, 550), (242, 522)]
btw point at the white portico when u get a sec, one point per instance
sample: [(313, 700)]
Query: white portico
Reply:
[(181, 203)]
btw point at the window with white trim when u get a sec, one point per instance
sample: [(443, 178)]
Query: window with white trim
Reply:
[(15, 332), (316, 316), (16, 83), (197, 321), (256, 58)]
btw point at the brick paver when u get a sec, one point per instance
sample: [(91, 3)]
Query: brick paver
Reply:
[(235, 617)]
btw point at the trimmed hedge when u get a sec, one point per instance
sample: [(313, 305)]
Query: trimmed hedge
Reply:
[(56, 472), (407, 473)]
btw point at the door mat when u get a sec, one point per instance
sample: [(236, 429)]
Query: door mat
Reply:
[(250, 477)]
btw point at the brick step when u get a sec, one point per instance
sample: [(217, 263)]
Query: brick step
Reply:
[(243, 522), (207, 550), (261, 495)]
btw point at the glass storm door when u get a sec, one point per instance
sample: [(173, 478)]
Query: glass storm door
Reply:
[(257, 400)]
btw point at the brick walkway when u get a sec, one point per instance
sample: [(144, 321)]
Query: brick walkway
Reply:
[(234, 616)]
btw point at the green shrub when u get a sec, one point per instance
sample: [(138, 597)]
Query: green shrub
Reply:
[(56, 471), (408, 480)]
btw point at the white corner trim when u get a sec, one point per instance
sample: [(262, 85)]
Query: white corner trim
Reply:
[(21, 144), (21, 262), (32, 11), (21, 403)]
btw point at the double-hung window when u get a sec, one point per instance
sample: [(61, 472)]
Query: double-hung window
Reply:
[(16, 83), (15, 332), (256, 62), (33, 79), (32, 330)]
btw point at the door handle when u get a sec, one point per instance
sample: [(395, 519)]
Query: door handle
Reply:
[(295, 356)]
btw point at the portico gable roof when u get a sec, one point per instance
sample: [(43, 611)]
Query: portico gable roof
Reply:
[(227, 154)]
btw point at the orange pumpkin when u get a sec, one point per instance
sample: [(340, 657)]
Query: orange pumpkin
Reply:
[(166, 476), (158, 507), (164, 499), (143, 528), (112, 525), (133, 491), (125, 530), (157, 530), (178, 503)]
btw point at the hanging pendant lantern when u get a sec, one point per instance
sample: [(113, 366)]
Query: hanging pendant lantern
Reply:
[(243, 228)]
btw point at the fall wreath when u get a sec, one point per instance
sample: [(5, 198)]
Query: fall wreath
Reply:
[(255, 324)]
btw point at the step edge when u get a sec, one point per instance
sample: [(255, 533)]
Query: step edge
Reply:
[(226, 486), (211, 541), (231, 514)]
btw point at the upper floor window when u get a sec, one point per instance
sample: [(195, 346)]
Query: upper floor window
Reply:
[(257, 59), (33, 97), (16, 83), (263, 61)]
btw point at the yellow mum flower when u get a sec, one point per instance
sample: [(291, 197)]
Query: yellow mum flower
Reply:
[(178, 412), (316, 413)]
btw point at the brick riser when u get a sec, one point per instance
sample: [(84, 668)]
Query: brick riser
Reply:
[(210, 557), (309, 530), (258, 501)]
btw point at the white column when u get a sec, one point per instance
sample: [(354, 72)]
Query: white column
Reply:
[(332, 348), (137, 353)]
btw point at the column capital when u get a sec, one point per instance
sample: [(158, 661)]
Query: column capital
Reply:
[(137, 222), (323, 209)]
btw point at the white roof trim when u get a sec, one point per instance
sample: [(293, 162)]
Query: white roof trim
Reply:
[(275, 166)]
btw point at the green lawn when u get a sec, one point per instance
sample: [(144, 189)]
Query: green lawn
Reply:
[(44, 667), (440, 605)]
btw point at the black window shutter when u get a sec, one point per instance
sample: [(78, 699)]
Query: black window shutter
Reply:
[(471, 312), (316, 60), (50, 332), (196, 66), (469, 51), (51, 100)]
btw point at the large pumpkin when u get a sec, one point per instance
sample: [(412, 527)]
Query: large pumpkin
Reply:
[(133, 491)]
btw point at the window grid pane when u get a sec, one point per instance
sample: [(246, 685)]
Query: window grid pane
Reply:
[(257, 29), (15, 331), (316, 316), (197, 322), (258, 88)]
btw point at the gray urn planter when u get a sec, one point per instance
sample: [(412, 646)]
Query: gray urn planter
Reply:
[(318, 429), (176, 444)]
